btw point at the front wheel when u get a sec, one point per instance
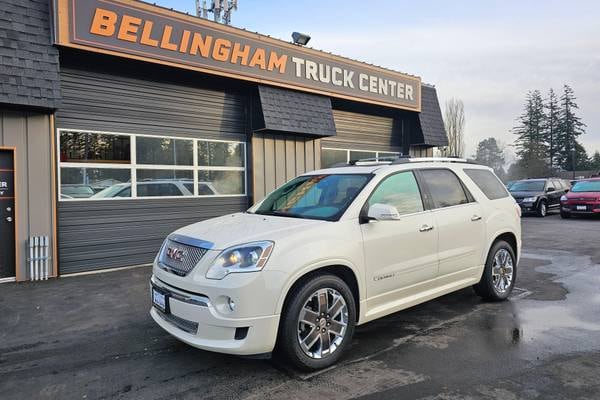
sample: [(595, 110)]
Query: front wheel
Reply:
[(542, 209), (318, 322), (499, 274)]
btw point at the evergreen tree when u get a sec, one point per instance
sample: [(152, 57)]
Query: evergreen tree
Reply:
[(568, 148), (551, 126), (491, 154), (595, 160), (531, 147)]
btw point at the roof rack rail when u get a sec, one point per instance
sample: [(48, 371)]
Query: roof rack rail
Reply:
[(408, 159)]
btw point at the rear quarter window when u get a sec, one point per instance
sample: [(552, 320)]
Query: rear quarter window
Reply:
[(488, 183)]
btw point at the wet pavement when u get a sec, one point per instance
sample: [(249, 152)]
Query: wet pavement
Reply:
[(90, 337)]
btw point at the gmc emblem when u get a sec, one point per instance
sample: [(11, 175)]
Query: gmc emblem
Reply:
[(175, 254)]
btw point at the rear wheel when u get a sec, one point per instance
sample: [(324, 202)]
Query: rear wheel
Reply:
[(542, 209), (499, 274), (318, 322)]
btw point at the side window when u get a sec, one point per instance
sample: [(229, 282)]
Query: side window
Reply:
[(488, 183), (557, 184), (444, 187), (401, 191)]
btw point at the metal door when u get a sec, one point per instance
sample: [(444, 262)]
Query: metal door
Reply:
[(7, 213)]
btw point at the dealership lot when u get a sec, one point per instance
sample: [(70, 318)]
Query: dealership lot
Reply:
[(91, 337)]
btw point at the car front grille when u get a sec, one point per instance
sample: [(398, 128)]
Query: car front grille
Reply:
[(181, 323), (179, 258)]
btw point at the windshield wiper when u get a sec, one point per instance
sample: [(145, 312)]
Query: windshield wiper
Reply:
[(278, 213)]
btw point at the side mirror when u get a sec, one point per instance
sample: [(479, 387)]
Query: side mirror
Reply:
[(550, 189), (383, 212)]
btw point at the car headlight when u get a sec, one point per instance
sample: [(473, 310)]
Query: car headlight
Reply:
[(563, 198), (529, 199), (247, 257)]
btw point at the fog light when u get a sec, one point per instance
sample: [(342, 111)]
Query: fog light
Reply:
[(231, 304)]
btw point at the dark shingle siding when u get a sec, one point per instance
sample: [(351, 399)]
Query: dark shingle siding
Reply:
[(28, 60), (290, 111), (430, 118)]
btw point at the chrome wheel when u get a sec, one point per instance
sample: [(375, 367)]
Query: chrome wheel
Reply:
[(322, 323), (502, 271), (543, 209)]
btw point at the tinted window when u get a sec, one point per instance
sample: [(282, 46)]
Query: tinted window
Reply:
[(401, 191), (164, 151), (444, 187), (94, 147), (488, 183)]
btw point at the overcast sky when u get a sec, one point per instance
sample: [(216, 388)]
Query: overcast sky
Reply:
[(487, 53)]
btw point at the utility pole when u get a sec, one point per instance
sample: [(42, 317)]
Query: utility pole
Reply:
[(221, 9)]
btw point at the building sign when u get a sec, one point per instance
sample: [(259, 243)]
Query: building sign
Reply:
[(143, 31)]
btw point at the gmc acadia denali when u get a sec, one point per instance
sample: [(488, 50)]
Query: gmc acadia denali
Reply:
[(332, 249)]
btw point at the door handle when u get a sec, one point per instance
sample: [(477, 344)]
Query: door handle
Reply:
[(425, 228), (475, 218)]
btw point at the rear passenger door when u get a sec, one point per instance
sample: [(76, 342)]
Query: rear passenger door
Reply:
[(459, 223)]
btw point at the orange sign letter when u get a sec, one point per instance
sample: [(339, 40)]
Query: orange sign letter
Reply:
[(104, 22)]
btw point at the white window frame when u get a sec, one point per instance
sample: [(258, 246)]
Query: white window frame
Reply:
[(349, 150), (133, 166)]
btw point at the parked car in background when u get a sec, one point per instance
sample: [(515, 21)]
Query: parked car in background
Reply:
[(509, 184), (73, 191), (539, 195), (159, 187), (332, 249), (582, 199)]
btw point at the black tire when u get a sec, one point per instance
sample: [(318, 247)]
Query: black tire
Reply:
[(565, 215), (486, 287), (288, 342), (542, 209)]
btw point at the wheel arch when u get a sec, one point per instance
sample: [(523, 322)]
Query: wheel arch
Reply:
[(341, 270), (508, 237)]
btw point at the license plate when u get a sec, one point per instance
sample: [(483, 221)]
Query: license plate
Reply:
[(581, 208), (159, 300)]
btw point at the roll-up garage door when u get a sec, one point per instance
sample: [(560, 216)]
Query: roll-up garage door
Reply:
[(112, 232)]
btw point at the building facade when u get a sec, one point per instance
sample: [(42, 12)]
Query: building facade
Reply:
[(121, 121)]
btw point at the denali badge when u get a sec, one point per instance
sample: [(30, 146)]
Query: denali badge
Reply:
[(175, 254)]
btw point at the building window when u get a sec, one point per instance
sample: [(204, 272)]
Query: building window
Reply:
[(331, 156), (104, 165)]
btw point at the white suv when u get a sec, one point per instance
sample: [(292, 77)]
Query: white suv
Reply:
[(333, 249)]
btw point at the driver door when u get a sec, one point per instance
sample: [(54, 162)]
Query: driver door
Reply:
[(400, 255)]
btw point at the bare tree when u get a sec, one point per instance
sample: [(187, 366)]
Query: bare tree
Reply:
[(454, 121)]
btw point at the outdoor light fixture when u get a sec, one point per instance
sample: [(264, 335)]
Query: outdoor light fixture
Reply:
[(300, 38)]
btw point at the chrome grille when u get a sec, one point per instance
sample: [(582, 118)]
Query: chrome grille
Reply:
[(181, 323), (179, 258)]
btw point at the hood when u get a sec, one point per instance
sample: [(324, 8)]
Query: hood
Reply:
[(520, 195), (583, 195), (233, 229)]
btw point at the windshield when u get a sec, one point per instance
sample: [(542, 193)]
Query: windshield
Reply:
[(528, 186), (586, 186), (323, 197)]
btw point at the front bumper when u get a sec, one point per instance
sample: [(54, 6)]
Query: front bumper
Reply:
[(590, 208), (528, 207), (193, 319)]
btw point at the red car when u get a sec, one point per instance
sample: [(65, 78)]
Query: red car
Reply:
[(583, 198)]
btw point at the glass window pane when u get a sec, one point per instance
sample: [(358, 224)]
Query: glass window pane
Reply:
[(221, 182), (79, 183), (331, 157), (445, 188), (383, 154), (220, 154), (164, 151), (401, 191), (488, 183), (163, 182), (94, 147), (361, 155)]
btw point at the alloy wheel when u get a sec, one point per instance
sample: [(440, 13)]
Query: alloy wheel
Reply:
[(322, 323), (502, 271)]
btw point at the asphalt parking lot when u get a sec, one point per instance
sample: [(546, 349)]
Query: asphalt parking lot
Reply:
[(90, 337)]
